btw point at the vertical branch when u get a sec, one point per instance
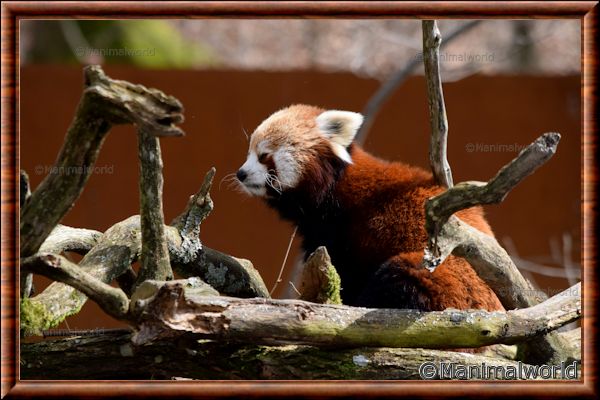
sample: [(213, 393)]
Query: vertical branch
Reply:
[(155, 263), (432, 39)]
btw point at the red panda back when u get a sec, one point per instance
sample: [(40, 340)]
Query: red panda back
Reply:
[(386, 204)]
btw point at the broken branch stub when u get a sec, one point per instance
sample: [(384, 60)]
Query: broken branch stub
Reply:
[(188, 223), (320, 280), (104, 102)]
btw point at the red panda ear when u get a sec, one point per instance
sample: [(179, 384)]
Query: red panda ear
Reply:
[(340, 127)]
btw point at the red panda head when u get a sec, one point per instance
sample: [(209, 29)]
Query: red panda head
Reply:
[(297, 144)]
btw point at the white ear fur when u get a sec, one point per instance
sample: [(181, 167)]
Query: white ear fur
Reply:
[(340, 127)]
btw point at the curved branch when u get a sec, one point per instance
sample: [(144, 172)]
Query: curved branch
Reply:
[(65, 238), (117, 249), (112, 300), (104, 102)]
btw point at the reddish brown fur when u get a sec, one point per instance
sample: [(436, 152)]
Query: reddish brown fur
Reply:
[(398, 227)]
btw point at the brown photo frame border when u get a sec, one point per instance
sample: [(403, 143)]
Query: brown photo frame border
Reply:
[(12, 12)]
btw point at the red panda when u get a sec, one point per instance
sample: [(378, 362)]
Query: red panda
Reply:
[(368, 212)]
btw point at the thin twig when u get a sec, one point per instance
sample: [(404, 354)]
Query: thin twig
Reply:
[(287, 252)]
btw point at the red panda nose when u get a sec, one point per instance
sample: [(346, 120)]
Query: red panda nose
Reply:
[(241, 175)]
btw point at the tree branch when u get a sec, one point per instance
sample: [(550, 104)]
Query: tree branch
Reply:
[(154, 262), (64, 238), (432, 39), (104, 102), (173, 311), (112, 300), (117, 249), (468, 194)]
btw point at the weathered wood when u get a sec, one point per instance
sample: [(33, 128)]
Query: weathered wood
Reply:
[(113, 301), (111, 258), (112, 356), (320, 281), (189, 222), (468, 194), (104, 102), (154, 258), (117, 249), (174, 312), (231, 276), (65, 238), (432, 40)]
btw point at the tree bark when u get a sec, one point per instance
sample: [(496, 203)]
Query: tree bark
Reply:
[(438, 160), (112, 356), (171, 311)]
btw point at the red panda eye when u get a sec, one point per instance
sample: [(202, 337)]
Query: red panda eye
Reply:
[(262, 157)]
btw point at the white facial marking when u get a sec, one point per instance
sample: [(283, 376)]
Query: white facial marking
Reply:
[(256, 175), (288, 170)]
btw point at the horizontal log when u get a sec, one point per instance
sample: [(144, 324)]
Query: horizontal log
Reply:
[(112, 356), (173, 311)]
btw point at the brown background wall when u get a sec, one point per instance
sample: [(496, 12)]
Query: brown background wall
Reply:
[(220, 104)]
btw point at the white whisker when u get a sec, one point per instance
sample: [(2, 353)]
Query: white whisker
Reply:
[(227, 178)]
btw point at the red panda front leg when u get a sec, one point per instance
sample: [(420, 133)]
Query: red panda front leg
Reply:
[(401, 282)]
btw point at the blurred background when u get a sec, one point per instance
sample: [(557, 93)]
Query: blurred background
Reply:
[(506, 83)]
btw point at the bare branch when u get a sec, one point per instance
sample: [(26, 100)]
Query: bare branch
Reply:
[(432, 39), (111, 259), (468, 194), (112, 300), (65, 238), (188, 223), (174, 311), (117, 249), (104, 102), (154, 262)]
